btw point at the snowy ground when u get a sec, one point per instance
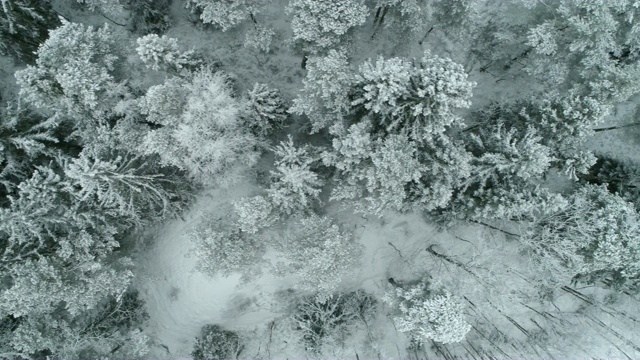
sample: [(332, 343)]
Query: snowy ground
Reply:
[(494, 281)]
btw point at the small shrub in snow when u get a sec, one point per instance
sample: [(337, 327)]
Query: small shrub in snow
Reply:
[(428, 314), (325, 322), (225, 13), (215, 343), (255, 213), (161, 52), (224, 249), (259, 37), (319, 253)]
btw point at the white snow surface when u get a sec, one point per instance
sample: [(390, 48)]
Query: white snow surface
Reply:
[(181, 300)]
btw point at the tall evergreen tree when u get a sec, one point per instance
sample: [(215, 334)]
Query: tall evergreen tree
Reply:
[(24, 25)]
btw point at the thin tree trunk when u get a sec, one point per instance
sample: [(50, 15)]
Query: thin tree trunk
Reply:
[(616, 127), (380, 20), (425, 36), (113, 21)]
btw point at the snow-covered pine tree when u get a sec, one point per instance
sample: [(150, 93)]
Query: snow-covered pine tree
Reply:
[(455, 16), (589, 44), (399, 155), (24, 26), (216, 343), (319, 252), (112, 328), (560, 123), (76, 73), (428, 313), (324, 98), (508, 165), (55, 250), (106, 6), (225, 13), (515, 146), (394, 172), (419, 99), (150, 16), (408, 15), (497, 44), (200, 127), (24, 137), (162, 52), (267, 111), (126, 183), (595, 236), (295, 186), (319, 25)]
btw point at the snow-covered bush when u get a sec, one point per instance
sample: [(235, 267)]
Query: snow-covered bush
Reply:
[(107, 6), (325, 95), (428, 314), (266, 110), (319, 253), (420, 99), (259, 37), (75, 72), (201, 128), (161, 52), (322, 24), (621, 177), (222, 248), (255, 213), (325, 322), (215, 343), (295, 186), (225, 13)]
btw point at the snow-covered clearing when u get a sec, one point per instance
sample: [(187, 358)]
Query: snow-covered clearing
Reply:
[(486, 269), (181, 300)]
